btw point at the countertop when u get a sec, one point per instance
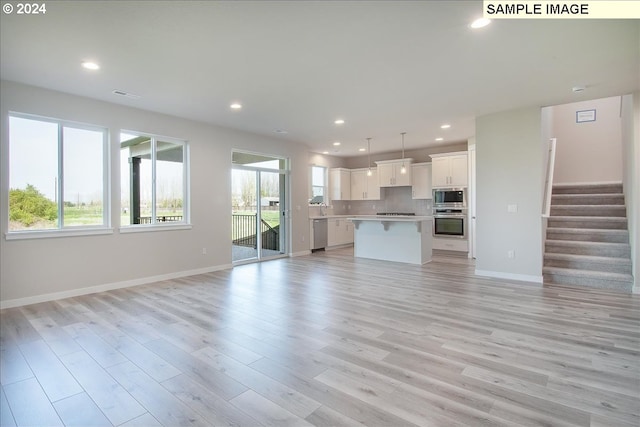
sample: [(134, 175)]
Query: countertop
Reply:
[(406, 218), (334, 216), (391, 218)]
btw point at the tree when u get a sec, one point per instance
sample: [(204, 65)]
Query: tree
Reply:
[(29, 206), (248, 190)]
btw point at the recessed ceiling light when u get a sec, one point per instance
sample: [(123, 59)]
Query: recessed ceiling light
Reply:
[(235, 106), (439, 139), (445, 126), (578, 88), (280, 131), (362, 149), (339, 122), (325, 152), (480, 23), (90, 65), (336, 143)]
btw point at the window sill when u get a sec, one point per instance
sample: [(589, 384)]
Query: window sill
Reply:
[(50, 234), (153, 228)]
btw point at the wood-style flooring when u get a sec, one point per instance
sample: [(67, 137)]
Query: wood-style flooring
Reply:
[(325, 340)]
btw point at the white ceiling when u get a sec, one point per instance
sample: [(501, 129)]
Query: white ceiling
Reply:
[(384, 67)]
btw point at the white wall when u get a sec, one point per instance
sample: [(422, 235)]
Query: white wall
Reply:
[(631, 183), (32, 269), (508, 169), (592, 151)]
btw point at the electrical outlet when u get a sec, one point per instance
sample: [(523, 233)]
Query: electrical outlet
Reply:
[(204, 251), (511, 254)]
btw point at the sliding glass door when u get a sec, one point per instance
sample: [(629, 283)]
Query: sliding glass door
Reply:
[(258, 228)]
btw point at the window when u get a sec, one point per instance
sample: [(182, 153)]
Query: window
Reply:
[(153, 186), (57, 174), (318, 184)]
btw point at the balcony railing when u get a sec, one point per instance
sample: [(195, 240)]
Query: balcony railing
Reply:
[(161, 218), (243, 232)]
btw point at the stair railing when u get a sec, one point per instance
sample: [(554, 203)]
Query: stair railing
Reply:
[(548, 184)]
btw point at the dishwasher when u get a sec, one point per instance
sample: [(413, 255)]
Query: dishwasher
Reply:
[(319, 234)]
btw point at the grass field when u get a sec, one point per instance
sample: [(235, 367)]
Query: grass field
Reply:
[(85, 215), (241, 229)]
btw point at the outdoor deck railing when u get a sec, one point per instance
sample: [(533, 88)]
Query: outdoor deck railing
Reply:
[(243, 232), (160, 218)]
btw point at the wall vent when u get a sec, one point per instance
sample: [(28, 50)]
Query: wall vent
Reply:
[(127, 94)]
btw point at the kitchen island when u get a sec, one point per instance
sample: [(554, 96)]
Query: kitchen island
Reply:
[(393, 238)]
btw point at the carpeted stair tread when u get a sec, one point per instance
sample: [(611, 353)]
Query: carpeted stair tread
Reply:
[(593, 222), (578, 247), (588, 262), (588, 230), (583, 243), (587, 188), (588, 210), (577, 218), (589, 258), (588, 234), (588, 278), (616, 277), (614, 199)]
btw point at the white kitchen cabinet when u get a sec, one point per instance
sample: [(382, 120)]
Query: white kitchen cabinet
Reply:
[(364, 187), (449, 170), (390, 175), (340, 184), (421, 178), (458, 245), (339, 232)]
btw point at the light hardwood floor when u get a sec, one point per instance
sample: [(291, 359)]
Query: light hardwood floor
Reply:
[(326, 340)]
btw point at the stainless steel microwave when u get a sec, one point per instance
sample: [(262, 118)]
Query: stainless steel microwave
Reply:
[(450, 197)]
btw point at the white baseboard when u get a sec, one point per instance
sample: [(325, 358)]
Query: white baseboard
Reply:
[(18, 302), (509, 276)]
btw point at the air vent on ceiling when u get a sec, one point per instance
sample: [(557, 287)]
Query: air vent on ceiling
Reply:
[(127, 94)]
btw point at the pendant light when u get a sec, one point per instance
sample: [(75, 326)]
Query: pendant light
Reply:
[(369, 173), (403, 169)]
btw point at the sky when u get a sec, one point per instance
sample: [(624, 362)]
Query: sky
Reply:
[(33, 153)]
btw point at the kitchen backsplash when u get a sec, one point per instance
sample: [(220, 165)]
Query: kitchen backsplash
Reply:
[(392, 199)]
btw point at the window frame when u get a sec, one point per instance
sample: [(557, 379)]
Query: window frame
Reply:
[(325, 186), (185, 223), (61, 230)]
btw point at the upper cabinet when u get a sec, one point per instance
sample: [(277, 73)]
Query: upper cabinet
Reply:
[(340, 184), (390, 174), (421, 177), (363, 186), (449, 170)]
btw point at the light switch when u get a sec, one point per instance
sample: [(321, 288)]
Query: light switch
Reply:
[(512, 208)]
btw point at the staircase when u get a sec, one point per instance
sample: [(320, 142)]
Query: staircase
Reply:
[(587, 239)]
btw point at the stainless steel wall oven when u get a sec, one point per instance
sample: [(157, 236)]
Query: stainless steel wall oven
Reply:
[(450, 212), (450, 225)]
